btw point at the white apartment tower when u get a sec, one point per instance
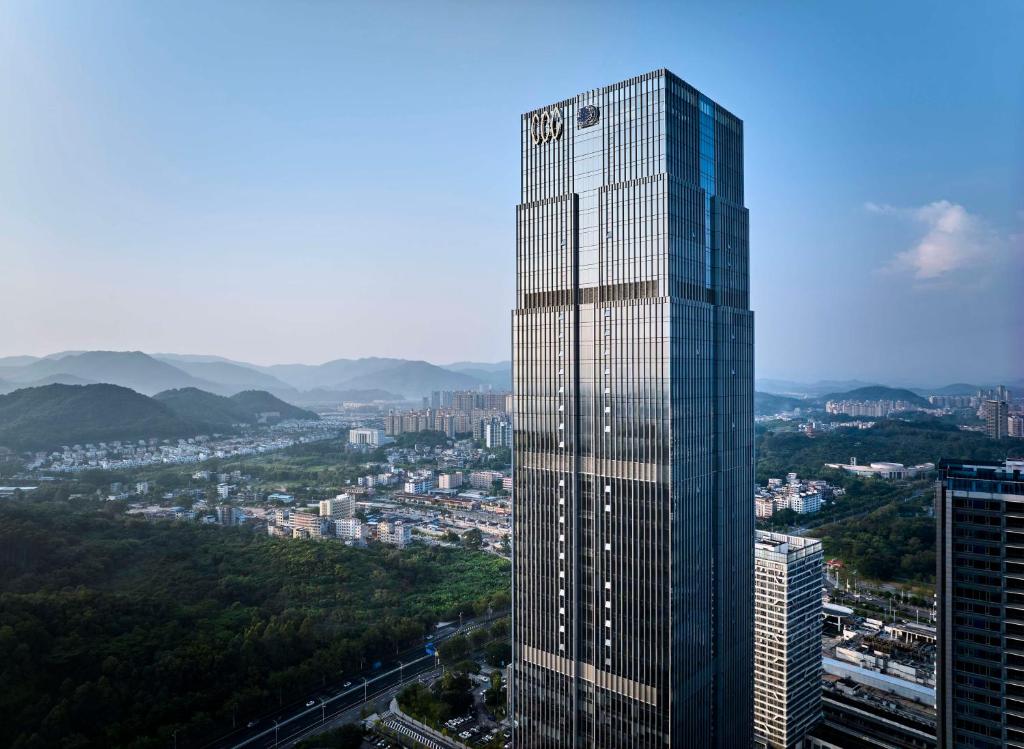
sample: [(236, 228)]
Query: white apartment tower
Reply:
[(787, 638)]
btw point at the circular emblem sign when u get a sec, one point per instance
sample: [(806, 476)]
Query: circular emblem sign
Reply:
[(588, 116), (546, 126)]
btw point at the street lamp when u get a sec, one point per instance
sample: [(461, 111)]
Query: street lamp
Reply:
[(275, 733), (365, 682), (401, 672), (323, 710)]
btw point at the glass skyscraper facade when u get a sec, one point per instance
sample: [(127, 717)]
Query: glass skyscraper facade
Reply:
[(633, 446), (979, 507)]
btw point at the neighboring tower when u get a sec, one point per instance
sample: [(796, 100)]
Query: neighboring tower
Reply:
[(996, 414), (633, 446), (979, 508), (787, 638)]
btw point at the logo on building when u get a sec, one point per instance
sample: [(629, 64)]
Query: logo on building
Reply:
[(546, 126), (588, 115)]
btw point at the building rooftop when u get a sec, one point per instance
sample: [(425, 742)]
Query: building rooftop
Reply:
[(768, 545)]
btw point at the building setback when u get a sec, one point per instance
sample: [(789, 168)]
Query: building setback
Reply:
[(633, 406), (787, 638), (979, 507)]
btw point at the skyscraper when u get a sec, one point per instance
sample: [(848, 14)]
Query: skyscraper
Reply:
[(996, 414), (633, 465), (979, 676), (787, 638)]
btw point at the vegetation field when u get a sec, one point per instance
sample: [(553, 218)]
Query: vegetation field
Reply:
[(116, 632)]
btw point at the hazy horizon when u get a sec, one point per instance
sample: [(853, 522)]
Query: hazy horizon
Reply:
[(284, 187), (1012, 378)]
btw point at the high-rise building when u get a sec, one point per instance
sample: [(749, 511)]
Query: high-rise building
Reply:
[(497, 433), (633, 382), (787, 638), (996, 415), (979, 508)]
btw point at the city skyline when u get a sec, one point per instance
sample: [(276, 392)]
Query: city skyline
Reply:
[(159, 201)]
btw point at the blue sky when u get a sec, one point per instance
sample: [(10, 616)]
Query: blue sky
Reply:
[(309, 180)]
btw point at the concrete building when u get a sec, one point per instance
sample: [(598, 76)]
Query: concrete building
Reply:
[(805, 502), (395, 533), (365, 436), (225, 514), (419, 486), (884, 470), (498, 433), (484, 479), (341, 506), (979, 508), (996, 414), (449, 481), (787, 638), (351, 529), (308, 524)]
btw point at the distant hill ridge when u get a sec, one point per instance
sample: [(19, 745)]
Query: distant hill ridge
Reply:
[(44, 418), (379, 377)]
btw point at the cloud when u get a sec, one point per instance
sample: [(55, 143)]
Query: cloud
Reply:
[(952, 239)]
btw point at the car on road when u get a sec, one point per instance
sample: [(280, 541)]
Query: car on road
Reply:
[(311, 703), (346, 685), (252, 724)]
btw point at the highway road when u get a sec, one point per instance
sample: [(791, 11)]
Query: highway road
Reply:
[(283, 727)]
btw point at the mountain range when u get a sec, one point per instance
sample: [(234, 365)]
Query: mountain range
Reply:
[(369, 379)]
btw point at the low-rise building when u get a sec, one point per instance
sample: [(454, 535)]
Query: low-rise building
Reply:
[(884, 470), (484, 479), (351, 529), (449, 480), (309, 525), (367, 436), (341, 506), (419, 486), (395, 533)]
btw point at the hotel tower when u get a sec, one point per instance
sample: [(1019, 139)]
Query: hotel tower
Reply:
[(633, 448)]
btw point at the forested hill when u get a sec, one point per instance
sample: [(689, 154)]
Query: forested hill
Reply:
[(47, 417), (769, 403), (44, 418), (906, 442), (257, 402), (248, 407), (115, 632), (878, 393)]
